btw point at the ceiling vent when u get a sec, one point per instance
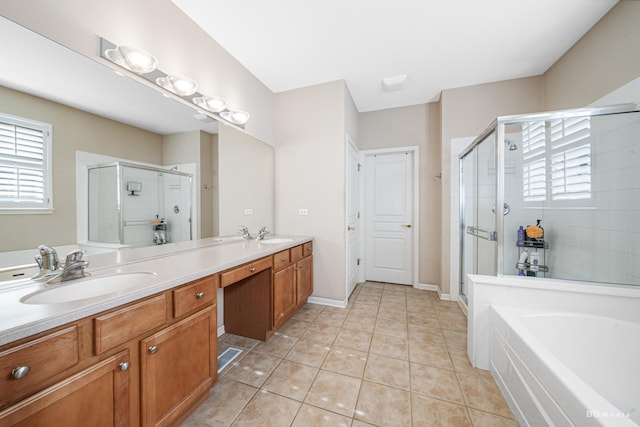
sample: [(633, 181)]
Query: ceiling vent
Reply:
[(391, 84)]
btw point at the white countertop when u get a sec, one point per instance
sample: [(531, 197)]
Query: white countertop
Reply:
[(173, 264)]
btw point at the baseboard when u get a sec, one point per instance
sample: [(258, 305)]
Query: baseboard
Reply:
[(427, 287), (220, 330), (435, 288), (328, 302), (462, 306)]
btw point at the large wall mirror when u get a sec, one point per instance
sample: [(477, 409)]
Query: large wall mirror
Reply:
[(94, 110)]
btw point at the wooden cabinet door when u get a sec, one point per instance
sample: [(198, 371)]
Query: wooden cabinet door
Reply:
[(284, 294), (178, 365), (304, 279), (97, 396)]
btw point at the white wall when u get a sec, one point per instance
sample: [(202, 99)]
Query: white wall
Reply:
[(416, 125), (310, 174)]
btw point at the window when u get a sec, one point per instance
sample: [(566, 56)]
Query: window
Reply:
[(25, 165), (534, 177), (556, 159), (570, 158)]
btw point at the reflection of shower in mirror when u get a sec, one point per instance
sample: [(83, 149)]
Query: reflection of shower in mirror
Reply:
[(512, 144)]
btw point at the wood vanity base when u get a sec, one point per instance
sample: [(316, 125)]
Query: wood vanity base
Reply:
[(247, 307)]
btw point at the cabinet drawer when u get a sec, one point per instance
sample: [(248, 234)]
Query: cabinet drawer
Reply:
[(281, 259), (296, 253), (122, 325), (236, 274), (195, 295), (44, 357), (307, 249)]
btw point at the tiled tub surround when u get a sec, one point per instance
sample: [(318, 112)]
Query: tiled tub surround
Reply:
[(396, 356), (174, 264), (608, 317)]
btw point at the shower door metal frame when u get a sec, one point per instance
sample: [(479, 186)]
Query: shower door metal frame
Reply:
[(499, 125)]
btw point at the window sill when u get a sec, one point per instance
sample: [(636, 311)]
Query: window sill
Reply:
[(26, 211)]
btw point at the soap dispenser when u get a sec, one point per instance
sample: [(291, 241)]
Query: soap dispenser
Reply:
[(521, 236)]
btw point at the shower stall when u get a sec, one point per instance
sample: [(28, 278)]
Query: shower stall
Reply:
[(138, 205), (568, 187)]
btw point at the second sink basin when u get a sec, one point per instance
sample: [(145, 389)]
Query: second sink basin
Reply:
[(90, 287), (275, 241)]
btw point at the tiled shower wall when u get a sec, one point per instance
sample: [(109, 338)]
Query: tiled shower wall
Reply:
[(593, 239)]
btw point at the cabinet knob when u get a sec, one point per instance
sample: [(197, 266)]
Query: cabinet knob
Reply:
[(20, 372), (252, 269), (200, 295), (124, 366), (153, 349), (299, 266), (283, 260)]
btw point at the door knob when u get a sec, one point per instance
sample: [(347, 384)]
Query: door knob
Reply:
[(407, 225), (350, 228)]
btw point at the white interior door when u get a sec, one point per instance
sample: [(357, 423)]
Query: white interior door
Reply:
[(389, 217), (353, 217)]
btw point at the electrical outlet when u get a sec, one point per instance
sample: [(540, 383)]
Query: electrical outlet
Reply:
[(248, 211), (303, 211)]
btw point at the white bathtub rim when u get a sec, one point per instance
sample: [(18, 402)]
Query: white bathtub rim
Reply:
[(585, 395), (549, 284)]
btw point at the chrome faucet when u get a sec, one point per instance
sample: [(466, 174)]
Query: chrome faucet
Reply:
[(47, 261), (244, 232), (73, 267), (262, 232)]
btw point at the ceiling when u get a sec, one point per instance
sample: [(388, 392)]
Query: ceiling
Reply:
[(438, 44)]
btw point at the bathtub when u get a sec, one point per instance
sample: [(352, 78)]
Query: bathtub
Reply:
[(566, 369)]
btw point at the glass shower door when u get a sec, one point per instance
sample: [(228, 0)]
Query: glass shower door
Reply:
[(478, 245)]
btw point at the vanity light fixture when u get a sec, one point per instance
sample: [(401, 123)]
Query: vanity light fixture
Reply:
[(133, 59), (145, 65), (235, 117), (210, 103), (180, 85)]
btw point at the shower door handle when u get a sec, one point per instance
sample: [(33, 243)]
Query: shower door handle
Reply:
[(482, 233)]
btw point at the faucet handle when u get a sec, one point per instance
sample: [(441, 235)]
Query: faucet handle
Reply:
[(74, 256)]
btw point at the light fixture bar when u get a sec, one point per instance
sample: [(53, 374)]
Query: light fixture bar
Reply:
[(180, 88)]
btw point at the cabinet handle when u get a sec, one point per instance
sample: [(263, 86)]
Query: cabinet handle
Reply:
[(124, 366), (20, 372), (200, 295), (252, 269), (283, 260), (153, 349)]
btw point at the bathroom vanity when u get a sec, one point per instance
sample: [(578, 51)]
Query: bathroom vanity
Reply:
[(144, 356)]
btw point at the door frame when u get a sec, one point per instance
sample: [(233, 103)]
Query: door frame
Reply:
[(415, 150), (360, 244)]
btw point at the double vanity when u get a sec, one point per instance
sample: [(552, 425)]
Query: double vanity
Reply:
[(135, 343)]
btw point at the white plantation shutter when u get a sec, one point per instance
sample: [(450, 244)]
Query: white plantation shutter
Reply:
[(25, 148), (534, 165), (570, 158)]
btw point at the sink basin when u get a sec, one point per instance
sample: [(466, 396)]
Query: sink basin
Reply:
[(275, 241), (89, 287)]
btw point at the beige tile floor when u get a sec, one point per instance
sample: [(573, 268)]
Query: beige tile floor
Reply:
[(396, 356)]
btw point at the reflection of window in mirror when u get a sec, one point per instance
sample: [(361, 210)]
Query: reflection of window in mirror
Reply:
[(25, 165)]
